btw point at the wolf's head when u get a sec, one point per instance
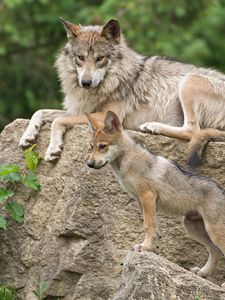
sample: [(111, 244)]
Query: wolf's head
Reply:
[(105, 140), (90, 50)]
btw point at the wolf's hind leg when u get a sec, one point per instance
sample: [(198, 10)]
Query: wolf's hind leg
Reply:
[(216, 231), (203, 100), (38, 119), (191, 120), (195, 228), (166, 130)]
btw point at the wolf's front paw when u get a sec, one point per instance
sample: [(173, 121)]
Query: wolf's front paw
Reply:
[(223, 286), (153, 127), (145, 247), (198, 271), (53, 154), (28, 139)]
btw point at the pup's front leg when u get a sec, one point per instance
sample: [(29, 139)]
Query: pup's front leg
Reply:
[(149, 244), (148, 202), (38, 119)]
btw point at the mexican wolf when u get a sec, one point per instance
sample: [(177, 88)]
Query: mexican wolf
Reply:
[(161, 184), (99, 72)]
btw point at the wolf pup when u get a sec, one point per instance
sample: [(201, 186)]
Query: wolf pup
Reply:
[(160, 183), (99, 72)]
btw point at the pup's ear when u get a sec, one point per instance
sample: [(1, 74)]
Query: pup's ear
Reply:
[(93, 122), (111, 31), (112, 123), (72, 30)]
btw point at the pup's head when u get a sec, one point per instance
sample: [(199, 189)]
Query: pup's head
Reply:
[(91, 49), (105, 140)]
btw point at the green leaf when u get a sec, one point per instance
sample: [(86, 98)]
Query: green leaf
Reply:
[(32, 158), (41, 288), (15, 210), (5, 194), (7, 292), (2, 224), (31, 180), (10, 172)]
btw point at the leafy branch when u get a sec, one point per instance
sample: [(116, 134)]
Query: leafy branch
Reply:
[(11, 175)]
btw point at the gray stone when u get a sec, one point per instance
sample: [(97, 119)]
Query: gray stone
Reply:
[(80, 226), (147, 276)]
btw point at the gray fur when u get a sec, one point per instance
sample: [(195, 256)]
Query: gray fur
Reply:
[(154, 83), (143, 89), (159, 183)]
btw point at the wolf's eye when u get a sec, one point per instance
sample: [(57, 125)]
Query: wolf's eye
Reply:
[(101, 146), (81, 57), (99, 58), (91, 147)]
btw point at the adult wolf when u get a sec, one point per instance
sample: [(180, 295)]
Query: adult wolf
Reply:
[(161, 184), (99, 72)]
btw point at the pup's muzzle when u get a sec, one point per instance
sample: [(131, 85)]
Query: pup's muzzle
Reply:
[(91, 163), (95, 164)]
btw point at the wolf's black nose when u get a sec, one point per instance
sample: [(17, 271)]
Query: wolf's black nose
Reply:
[(91, 163), (86, 83)]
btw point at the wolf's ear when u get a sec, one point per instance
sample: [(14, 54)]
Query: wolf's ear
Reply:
[(72, 30), (93, 122), (112, 123), (111, 31)]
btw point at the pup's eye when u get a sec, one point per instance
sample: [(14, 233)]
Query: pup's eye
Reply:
[(81, 57), (91, 147), (101, 146), (99, 58)]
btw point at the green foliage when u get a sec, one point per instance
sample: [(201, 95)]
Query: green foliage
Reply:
[(2, 222), (15, 210), (31, 36), (7, 292), (5, 194), (32, 158), (41, 288), (11, 174), (31, 181), (198, 296)]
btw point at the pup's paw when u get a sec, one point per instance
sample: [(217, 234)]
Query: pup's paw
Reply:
[(223, 286), (53, 155), (153, 127), (198, 271), (144, 247), (27, 139)]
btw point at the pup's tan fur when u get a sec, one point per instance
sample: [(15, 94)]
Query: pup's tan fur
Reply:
[(160, 183), (99, 72)]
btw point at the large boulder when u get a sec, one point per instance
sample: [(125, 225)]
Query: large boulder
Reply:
[(79, 228), (149, 276)]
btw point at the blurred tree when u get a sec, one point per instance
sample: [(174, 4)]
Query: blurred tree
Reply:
[(31, 35)]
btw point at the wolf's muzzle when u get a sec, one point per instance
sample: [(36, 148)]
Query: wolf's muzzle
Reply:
[(86, 83)]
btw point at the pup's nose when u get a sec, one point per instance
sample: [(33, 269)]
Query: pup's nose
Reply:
[(91, 163), (86, 83)]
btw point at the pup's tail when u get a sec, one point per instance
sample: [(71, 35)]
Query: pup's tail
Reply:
[(199, 141)]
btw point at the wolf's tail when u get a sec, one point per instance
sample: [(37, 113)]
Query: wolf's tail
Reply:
[(199, 141)]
